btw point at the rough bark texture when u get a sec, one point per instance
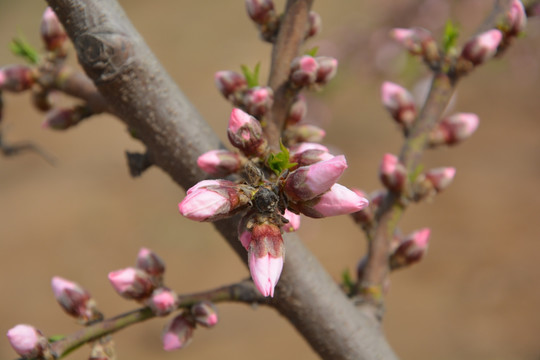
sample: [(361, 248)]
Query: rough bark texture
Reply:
[(141, 94)]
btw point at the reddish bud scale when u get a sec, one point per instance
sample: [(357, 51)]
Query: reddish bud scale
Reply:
[(52, 32), (16, 78), (205, 313), (74, 299), (411, 249), (482, 47), (392, 173), (178, 333), (310, 157), (260, 11), (265, 257), (327, 69), (231, 84), (149, 262)]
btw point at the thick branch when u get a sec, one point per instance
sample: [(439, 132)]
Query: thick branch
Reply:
[(140, 92)]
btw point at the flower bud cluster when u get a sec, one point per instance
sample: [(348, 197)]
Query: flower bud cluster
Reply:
[(312, 72), (400, 104), (263, 14), (418, 41), (410, 249)]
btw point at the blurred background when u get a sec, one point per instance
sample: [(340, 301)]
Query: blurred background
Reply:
[(474, 296)]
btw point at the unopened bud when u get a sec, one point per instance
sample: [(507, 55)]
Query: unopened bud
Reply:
[(178, 333), (207, 183), (304, 146), (260, 11), (294, 221), (327, 69), (231, 84), (417, 41), (314, 24), (482, 47), (74, 299), (131, 283), (517, 18), (27, 341), (52, 32), (399, 102), (297, 111), (220, 162), (441, 178), (62, 119), (42, 100), (205, 313), (303, 133), (258, 100), (162, 301), (411, 249), (149, 262), (454, 129), (392, 173), (304, 71), (16, 78), (265, 257), (245, 133), (310, 157)]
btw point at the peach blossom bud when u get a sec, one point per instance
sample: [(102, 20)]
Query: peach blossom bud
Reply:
[(454, 129), (517, 18), (207, 183), (27, 341), (399, 102), (178, 333), (230, 82), (131, 283), (212, 203), (441, 178), (294, 221), (265, 257), (411, 249), (307, 182), (301, 147), (149, 262), (52, 32), (304, 71), (303, 133), (327, 69), (219, 162), (310, 157), (258, 100), (297, 111), (74, 299), (338, 201), (260, 11), (482, 47), (245, 133), (392, 173), (205, 313), (162, 301), (412, 39), (314, 24), (16, 78), (244, 234)]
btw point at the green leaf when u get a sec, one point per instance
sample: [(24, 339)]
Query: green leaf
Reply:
[(313, 51), (20, 47), (252, 77), (450, 36), (347, 281), (280, 162)]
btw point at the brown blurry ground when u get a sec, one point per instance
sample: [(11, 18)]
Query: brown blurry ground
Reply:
[(475, 295)]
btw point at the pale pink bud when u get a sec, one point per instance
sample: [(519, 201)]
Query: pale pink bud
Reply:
[(327, 69), (294, 221), (244, 235), (392, 173), (245, 133), (258, 100), (178, 333), (150, 262), (301, 147), (260, 11), (162, 301), (205, 313), (230, 83), (338, 201), (16, 78), (441, 178), (517, 18), (131, 283), (414, 39), (307, 182), (74, 299), (454, 129), (482, 47), (265, 257), (310, 157), (314, 24), (27, 341), (297, 111), (304, 133), (399, 102), (304, 71), (212, 182), (219, 162), (411, 249), (52, 31)]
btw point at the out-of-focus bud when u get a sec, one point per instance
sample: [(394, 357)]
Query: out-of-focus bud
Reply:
[(417, 41), (74, 299), (411, 249), (245, 133), (206, 183), (178, 333), (517, 18), (294, 221), (258, 100), (310, 157), (339, 200), (441, 178), (42, 100), (482, 47), (220, 162), (297, 111), (62, 119), (231, 84), (299, 148), (205, 314), (314, 24), (327, 69), (295, 134), (392, 173), (27, 341), (454, 129), (52, 32), (149, 262), (131, 283), (304, 71), (399, 102), (162, 301), (16, 78), (307, 182), (244, 234), (260, 11), (265, 257)]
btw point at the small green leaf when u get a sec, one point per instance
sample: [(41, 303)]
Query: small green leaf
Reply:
[(347, 281), (450, 36), (280, 162), (20, 47), (252, 77), (313, 51)]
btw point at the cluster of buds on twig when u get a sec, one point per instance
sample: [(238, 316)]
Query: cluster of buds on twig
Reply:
[(312, 72), (274, 190)]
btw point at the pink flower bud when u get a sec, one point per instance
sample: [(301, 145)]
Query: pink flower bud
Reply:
[(27, 341), (454, 129), (258, 100), (294, 221), (260, 11), (301, 147), (297, 111), (482, 47), (206, 183), (304, 71), (178, 333), (363, 216), (265, 255), (517, 18), (392, 173), (413, 39), (16, 78), (74, 299), (303, 133), (131, 283), (338, 201), (314, 24), (52, 32), (307, 182), (411, 249), (230, 83), (212, 203), (310, 157), (244, 234), (441, 177), (219, 162), (327, 69), (399, 102), (245, 133), (163, 301), (205, 313), (149, 262)]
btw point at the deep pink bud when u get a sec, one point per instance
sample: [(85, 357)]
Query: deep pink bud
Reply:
[(258, 100), (162, 301), (212, 203), (307, 182), (27, 341), (310, 157), (517, 18), (178, 333), (392, 173), (297, 111), (338, 201), (205, 313), (260, 11), (454, 129), (230, 83), (327, 69), (299, 148), (441, 177), (304, 71), (294, 221), (74, 299), (265, 257), (314, 24), (131, 283), (411, 249), (399, 102), (149, 262), (304, 133), (482, 47), (52, 32), (220, 162), (245, 133), (16, 78)]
